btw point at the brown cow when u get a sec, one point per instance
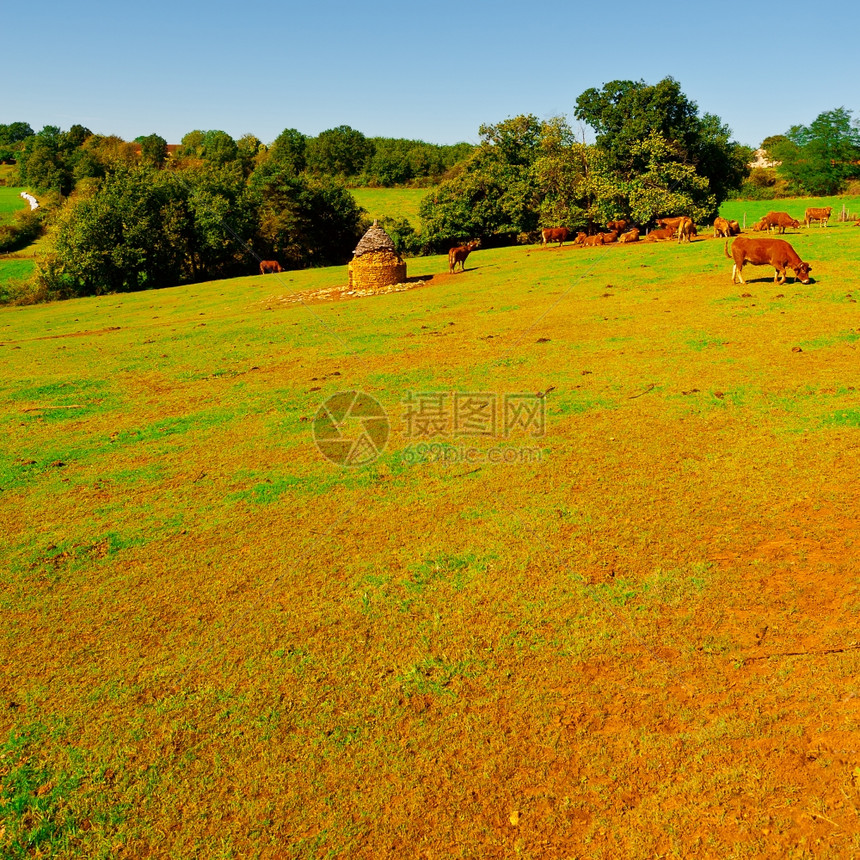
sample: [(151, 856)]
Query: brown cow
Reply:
[(459, 254), (686, 230), (270, 267), (722, 230), (779, 221), (630, 236), (580, 238), (662, 233), (597, 239), (766, 252), (555, 234), (822, 216), (620, 225), (609, 238), (759, 226), (734, 228), (671, 223)]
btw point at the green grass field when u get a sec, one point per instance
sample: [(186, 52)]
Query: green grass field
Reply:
[(391, 202), (752, 210), (10, 203), (633, 634)]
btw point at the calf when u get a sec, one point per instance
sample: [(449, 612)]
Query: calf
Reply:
[(629, 236), (734, 228), (459, 254), (609, 238), (580, 238), (270, 267), (759, 226), (555, 234), (597, 239), (779, 221), (822, 216), (662, 233), (766, 252)]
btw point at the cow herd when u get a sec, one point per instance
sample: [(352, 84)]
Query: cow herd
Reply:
[(777, 253)]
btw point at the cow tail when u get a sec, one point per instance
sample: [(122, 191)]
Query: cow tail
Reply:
[(726, 249)]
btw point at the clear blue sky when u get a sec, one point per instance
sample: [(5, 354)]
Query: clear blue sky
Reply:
[(433, 71)]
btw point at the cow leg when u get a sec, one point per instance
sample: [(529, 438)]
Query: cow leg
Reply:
[(779, 276), (736, 272)]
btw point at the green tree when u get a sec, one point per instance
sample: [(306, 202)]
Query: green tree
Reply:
[(340, 151), (43, 162), (819, 158), (11, 138), (304, 221), (141, 228), (624, 114), (288, 151), (249, 152), (153, 150), (219, 148), (495, 194)]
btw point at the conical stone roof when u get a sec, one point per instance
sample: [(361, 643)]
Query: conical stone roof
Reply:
[(375, 239)]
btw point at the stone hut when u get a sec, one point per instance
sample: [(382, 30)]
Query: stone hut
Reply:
[(375, 262)]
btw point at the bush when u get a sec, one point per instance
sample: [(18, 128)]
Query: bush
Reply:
[(26, 229)]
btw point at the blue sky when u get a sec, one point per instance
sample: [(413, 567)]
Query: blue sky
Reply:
[(433, 72)]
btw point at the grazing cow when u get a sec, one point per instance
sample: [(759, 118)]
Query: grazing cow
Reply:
[(734, 228), (722, 229), (662, 233), (555, 234), (822, 216), (779, 221), (629, 236), (459, 254), (686, 230), (597, 239), (766, 252), (270, 267), (620, 225)]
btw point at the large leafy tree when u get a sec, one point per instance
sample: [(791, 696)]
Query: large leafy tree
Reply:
[(288, 151), (43, 161), (340, 151), (820, 157), (495, 194), (625, 114), (304, 221), (140, 228), (153, 150)]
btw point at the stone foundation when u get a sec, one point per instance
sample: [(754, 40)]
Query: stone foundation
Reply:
[(376, 269)]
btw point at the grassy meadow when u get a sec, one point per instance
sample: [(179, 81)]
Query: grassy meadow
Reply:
[(391, 202), (627, 629), (10, 203)]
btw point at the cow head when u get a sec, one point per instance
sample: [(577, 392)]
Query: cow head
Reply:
[(801, 272)]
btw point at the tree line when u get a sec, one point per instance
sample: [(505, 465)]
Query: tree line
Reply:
[(56, 160), (133, 215)]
